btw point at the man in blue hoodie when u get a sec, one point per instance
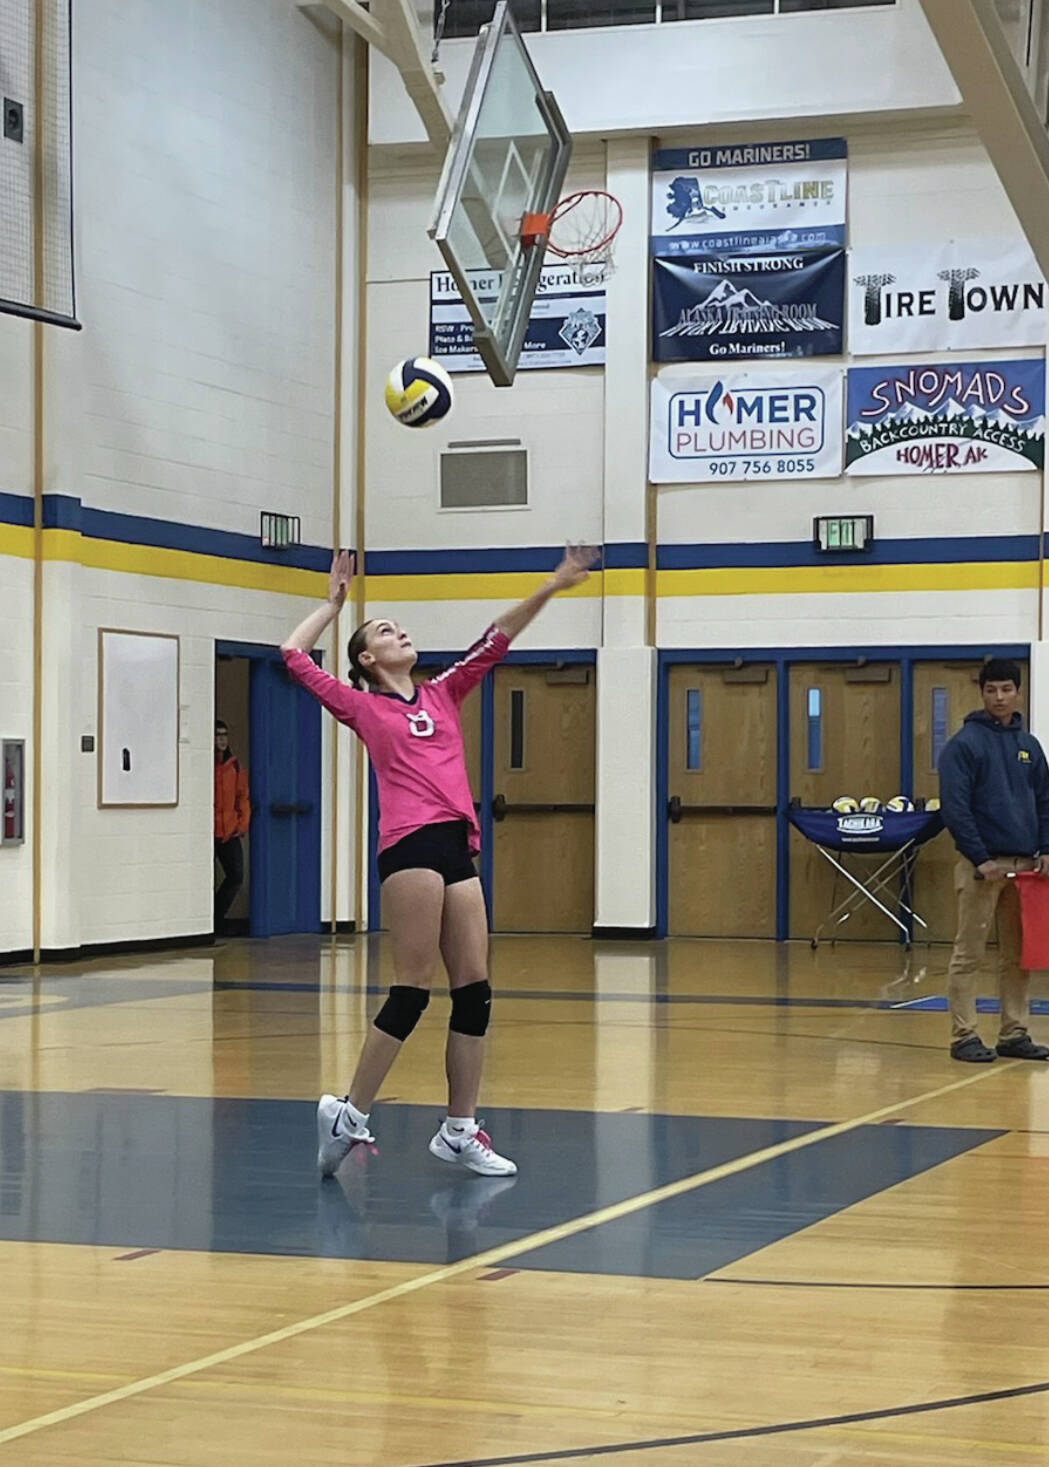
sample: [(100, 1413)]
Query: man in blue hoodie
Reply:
[(994, 792)]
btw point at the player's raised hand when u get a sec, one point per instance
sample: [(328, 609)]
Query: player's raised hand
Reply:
[(342, 568), (576, 565)]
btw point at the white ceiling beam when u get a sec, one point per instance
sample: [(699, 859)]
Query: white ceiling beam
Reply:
[(996, 97), (400, 24), (361, 22)]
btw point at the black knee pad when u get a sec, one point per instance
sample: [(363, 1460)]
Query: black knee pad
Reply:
[(402, 1010), (471, 1009)]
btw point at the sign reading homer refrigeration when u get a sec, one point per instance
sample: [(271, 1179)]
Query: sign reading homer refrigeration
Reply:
[(747, 425), (958, 295), (566, 327), (947, 418)]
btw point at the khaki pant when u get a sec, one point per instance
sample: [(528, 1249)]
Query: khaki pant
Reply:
[(979, 902)]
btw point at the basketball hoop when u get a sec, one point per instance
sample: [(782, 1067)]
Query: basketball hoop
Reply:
[(581, 227)]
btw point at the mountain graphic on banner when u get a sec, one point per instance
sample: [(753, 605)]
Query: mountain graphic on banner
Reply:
[(951, 410), (728, 295)]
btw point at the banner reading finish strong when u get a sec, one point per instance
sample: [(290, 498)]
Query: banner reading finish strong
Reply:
[(732, 307)]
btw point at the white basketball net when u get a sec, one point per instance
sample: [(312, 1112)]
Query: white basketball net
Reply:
[(583, 228)]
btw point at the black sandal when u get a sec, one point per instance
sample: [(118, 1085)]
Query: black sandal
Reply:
[(1022, 1047), (973, 1051)]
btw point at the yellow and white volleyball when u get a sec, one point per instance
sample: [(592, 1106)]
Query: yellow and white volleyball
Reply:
[(869, 805), (845, 805), (419, 392), (899, 803), (933, 804)]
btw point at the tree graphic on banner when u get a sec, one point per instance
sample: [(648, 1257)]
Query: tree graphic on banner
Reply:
[(957, 280), (872, 285)]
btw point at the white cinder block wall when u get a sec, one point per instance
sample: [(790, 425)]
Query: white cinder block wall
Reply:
[(910, 180), (16, 608), (200, 392), (202, 388)]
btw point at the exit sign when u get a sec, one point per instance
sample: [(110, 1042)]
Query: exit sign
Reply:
[(843, 532)]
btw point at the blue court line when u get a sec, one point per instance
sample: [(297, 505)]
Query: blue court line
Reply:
[(88, 991), (934, 1003), (745, 1433)]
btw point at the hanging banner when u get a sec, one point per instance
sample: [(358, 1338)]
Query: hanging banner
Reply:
[(764, 305), (948, 418), (746, 425), (958, 295), (739, 197), (566, 327)]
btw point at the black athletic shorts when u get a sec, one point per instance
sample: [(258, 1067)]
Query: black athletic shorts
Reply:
[(443, 847)]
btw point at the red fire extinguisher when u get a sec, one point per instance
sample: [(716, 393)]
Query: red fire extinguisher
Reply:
[(10, 814)]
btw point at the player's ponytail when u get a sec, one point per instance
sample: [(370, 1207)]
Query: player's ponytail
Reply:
[(359, 678)]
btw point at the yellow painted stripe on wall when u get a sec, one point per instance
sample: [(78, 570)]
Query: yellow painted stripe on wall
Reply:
[(16, 540), (833, 579), (842, 579), (178, 565), (487, 586)]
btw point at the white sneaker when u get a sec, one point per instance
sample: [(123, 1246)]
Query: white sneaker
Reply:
[(474, 1152), (336, 1134)]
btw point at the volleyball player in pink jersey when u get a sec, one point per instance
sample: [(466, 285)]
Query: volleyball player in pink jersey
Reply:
[(428, 838)]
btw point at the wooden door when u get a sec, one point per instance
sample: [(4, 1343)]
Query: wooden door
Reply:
[(844, 740), (544, 758), (721, 731), (944, 692)]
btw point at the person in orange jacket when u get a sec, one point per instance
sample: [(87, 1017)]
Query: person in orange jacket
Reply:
[(232, 818)]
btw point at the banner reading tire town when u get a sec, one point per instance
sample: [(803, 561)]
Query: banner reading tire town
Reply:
[(946, 418), (746, 425), (956, 295)]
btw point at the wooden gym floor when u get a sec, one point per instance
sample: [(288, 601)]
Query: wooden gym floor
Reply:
[(761, 1218)]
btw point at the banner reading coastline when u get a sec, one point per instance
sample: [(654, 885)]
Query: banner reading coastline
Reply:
[(748, 244), (712, 199)]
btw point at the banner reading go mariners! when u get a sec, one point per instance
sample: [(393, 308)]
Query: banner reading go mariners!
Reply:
[(755, 196), (749, 250)]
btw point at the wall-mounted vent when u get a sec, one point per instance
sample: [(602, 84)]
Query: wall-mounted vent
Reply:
[(490, 474), (280, 531)]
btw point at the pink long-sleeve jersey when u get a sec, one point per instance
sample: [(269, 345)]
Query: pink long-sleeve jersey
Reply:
[(416, 746)]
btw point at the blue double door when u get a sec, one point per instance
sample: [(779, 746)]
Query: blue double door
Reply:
[(285, 774)]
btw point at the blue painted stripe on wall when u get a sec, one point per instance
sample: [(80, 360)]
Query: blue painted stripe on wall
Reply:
[(923, 551), (16, 509), (66, 512), (537, 558)]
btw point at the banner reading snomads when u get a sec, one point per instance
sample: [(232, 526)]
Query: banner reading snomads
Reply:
[(946, 418)]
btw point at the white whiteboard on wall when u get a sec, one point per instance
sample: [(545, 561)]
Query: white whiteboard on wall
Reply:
[(138, 689)]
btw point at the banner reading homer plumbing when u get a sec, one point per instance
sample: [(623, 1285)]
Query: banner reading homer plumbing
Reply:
[(746, 424), (946, 418)]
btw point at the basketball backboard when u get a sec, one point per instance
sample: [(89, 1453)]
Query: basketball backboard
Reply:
[(507, 159)]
